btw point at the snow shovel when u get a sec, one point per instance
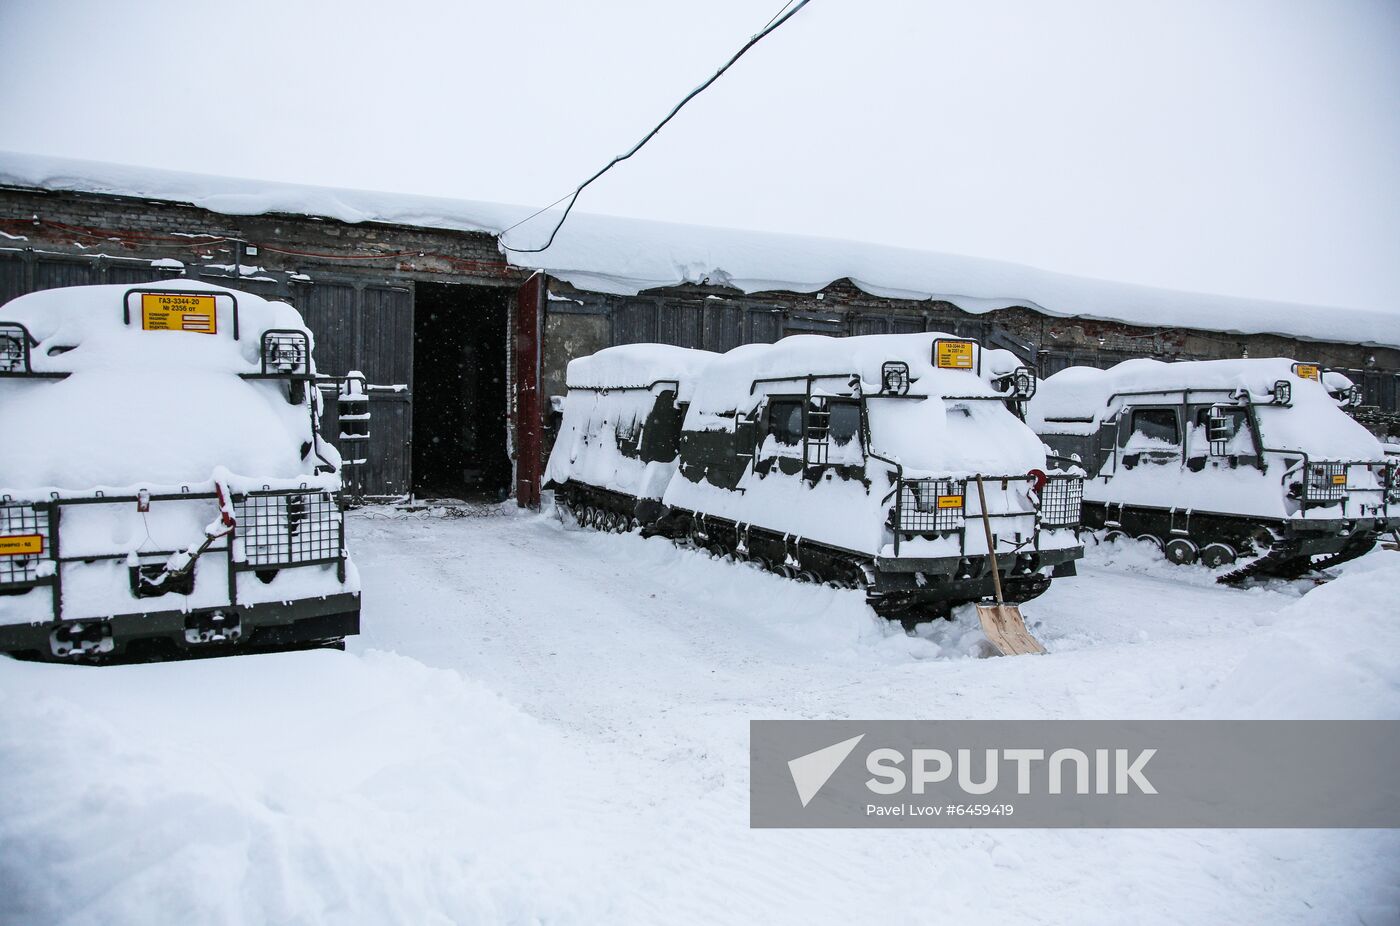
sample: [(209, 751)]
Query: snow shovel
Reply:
[(1002, 622)]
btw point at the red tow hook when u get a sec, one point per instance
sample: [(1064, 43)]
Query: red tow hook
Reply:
[(226, 517), (1038, 479)]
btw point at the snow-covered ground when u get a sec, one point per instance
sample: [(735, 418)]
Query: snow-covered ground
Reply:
[(542, 724)]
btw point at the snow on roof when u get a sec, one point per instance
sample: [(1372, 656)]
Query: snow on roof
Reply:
[(625, 256), (636, 365)]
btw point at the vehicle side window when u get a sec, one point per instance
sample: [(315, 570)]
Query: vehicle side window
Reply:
[(1157, 424), (785, 421), (844, 423)]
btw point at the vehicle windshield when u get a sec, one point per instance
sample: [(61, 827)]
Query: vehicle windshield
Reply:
[(952, 436), (1322, 431)]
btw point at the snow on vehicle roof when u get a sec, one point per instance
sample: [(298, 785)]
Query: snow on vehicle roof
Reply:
[(145, 408), (91, 317), (637, 365), (727, 382), (625, 256), (1314, 422), (1080, 391)]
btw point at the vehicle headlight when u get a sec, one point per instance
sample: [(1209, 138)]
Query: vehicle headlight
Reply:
[(1024, 379)]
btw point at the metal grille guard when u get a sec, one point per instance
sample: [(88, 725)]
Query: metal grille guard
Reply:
[(934, 505)]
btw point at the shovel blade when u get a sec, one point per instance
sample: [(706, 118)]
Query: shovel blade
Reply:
[(1005, 628)]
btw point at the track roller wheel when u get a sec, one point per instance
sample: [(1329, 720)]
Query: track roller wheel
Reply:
[(634, 524), (807, 575), (1182, 551), (1114, 536), (1152, 539), (590, 516), (1218, 554)]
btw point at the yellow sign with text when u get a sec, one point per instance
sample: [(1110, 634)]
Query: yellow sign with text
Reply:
[(22, 545), (178, 312), (1307, 371), (953, 355), (1339, 479), (950, 501)]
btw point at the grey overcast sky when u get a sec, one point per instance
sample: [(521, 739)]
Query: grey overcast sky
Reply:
[(1245, 147)]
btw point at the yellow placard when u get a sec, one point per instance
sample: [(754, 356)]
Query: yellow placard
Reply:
[(22, 545), (178, 312), (953, 355), (950, 501), (1307, 371), (1339, 479)]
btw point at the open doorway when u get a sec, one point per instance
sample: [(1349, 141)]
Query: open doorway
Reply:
[(459, 392)]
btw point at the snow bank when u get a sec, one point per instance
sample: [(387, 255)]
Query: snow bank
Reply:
[(618, 255), (309, 788), (158, 409), (1329, 656)]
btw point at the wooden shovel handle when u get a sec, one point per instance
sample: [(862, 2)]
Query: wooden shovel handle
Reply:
[(991, 544)]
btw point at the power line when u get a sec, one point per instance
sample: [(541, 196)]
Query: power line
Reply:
[(782, 16)]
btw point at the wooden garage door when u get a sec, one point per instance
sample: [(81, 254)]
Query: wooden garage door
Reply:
[(370, 329)]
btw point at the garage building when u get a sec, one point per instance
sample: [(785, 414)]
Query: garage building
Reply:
[(464, 342)]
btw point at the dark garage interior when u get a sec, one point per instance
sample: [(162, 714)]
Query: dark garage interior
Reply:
[(459, 392)]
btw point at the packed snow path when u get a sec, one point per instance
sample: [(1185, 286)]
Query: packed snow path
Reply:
[(562, 736)]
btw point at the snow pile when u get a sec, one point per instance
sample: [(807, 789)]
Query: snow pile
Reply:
[(158, 409), (1331, 655), (308, 787), (618, 255)]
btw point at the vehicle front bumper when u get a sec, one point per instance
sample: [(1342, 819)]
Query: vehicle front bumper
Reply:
[(224, 630)]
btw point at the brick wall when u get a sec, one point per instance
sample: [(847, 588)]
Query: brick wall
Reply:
[(124, 227)]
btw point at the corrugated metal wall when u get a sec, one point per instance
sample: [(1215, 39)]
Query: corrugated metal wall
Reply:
[(722, 324)]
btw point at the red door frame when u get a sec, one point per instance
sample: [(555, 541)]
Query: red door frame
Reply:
[(529, 437)]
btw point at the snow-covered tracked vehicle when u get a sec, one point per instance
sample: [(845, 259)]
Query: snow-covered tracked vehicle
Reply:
[(619, 437), (1246, 462), (835, 460), (163, 487)]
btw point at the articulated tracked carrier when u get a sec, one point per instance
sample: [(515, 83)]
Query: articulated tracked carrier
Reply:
[(163, 487), (1247, 462), (852, 461)]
